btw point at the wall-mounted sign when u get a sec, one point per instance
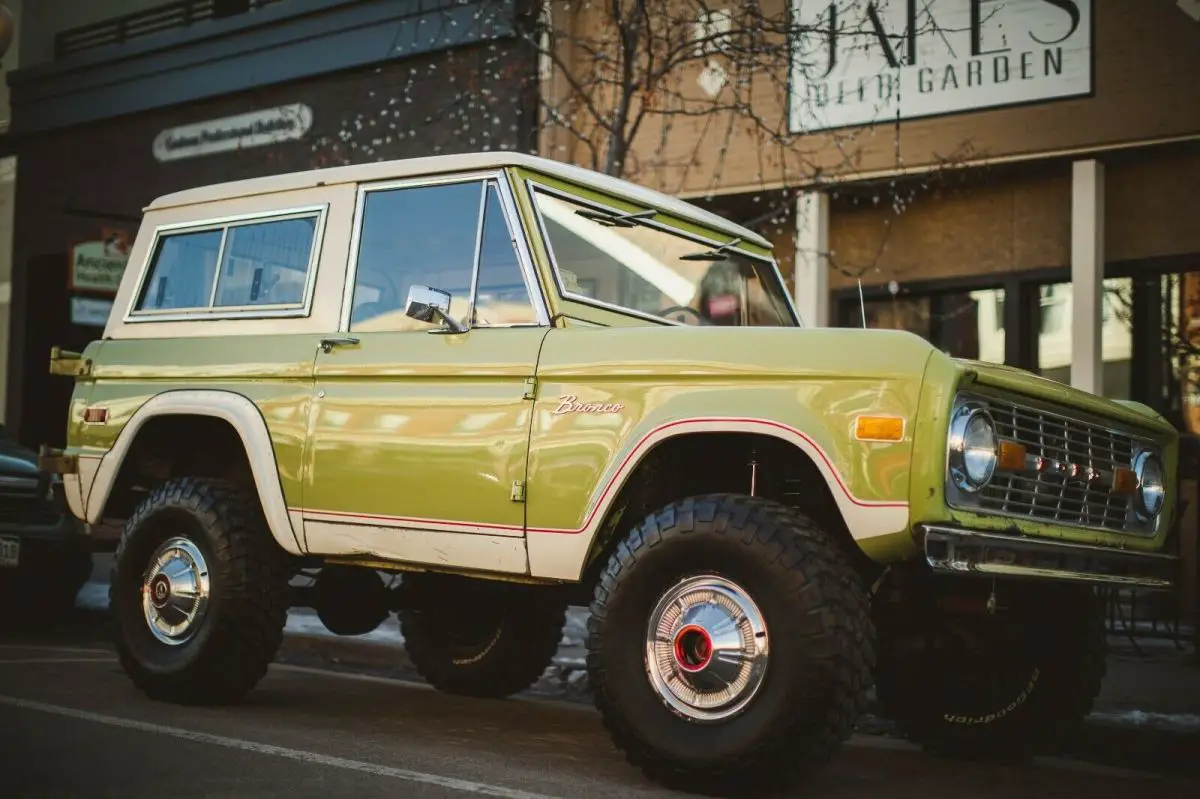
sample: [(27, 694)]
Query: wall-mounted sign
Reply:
[(98, 265), (255, 129), (90, 311), (877, 61)]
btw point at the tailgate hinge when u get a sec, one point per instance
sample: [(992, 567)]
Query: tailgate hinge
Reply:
[(518, 491), (72, 364), (55, 461), (530, 388)]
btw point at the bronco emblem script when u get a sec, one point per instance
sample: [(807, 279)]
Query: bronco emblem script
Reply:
[(568, 404)]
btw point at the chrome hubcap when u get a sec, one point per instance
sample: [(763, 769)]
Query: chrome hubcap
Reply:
[(175, 591), (706, 648)]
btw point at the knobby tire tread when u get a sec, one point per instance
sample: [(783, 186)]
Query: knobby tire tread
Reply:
[(254, 600), (816, 572)]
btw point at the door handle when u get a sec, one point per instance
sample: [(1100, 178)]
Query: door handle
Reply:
[(328, 343)]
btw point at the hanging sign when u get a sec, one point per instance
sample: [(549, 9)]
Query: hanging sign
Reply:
[(255, 129), (864, 62), (99, 265)]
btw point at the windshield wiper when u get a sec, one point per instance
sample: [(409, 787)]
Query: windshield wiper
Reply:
[(616, 220), (711, 255)]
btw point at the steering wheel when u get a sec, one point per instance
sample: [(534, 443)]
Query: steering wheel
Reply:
[(676, 308)]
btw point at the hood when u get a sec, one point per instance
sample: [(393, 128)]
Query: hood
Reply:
[(1020, 381), (15, 459), (828, 353)]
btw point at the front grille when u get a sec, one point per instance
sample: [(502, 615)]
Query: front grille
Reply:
[(1051, 495)]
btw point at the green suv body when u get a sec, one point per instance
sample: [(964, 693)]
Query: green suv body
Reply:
[(527, 385)]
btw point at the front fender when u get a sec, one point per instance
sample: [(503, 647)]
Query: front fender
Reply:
[(593, 426)]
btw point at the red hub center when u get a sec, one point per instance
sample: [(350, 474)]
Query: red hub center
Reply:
[(693, 648)]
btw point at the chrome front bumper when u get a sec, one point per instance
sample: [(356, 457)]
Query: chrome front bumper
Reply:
[(953, 550)]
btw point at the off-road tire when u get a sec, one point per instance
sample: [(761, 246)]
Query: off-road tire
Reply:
[(819, 629), (1044, 679), (479, 638), (239, 636)]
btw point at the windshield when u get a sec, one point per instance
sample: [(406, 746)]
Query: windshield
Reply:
[(623, 262)]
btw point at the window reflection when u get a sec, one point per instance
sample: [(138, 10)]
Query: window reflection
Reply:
[(967, 324), (1055, 342)]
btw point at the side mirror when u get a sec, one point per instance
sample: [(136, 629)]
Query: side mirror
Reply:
[(426, 304)]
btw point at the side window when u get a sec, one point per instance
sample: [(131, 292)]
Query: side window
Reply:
[(266, 263), (182, 273), (424, 235), (501, 298)]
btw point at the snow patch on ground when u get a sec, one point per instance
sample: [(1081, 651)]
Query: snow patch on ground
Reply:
[(304, 621), (93, 596), (1175, 722)]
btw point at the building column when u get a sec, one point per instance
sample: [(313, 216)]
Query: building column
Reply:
[(1087, 275), (812, 258)]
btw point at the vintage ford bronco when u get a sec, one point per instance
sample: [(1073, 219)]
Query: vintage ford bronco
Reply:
[(526, 385)]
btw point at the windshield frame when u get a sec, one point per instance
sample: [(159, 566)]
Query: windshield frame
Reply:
[(612, 206)]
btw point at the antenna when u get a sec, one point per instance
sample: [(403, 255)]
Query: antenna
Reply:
[(862, 304)]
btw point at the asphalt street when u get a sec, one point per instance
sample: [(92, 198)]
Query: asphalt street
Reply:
[(71, 725)]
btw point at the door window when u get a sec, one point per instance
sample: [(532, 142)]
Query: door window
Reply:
[(437, 236), (502, 297)]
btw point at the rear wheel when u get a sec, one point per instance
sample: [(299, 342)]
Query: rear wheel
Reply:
[(479, 638), (729, 645), (199, 593), (969, 683)]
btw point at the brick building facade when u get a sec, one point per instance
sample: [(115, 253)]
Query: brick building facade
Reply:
[(84, 181)]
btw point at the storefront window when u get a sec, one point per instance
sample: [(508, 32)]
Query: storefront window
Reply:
[(1055, 347), (966, 324), (1180, 347)]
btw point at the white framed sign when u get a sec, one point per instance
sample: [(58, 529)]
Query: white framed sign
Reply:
[(861, 62), (254, 129)]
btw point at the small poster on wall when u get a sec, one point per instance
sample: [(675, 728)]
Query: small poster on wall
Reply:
[(90, 311), (98, 265)]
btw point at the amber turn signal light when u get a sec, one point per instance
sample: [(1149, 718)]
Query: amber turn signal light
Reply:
[(95, 415), (879, 428), (1124, 481), (1011, 457)]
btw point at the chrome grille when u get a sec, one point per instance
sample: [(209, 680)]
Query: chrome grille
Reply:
[(1050, 494)]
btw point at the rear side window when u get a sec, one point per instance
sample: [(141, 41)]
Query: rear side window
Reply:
[(260, 264), (182, 273)]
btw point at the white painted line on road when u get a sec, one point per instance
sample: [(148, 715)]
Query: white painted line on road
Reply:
[(53, 648), (352, 676), (57, 660), (453, 783)]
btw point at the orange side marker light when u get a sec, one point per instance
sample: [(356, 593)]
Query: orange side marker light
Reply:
[(879, 428)]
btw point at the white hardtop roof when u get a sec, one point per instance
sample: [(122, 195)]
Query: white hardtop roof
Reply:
[(464, 162)]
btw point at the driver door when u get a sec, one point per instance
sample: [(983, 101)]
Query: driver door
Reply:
[(418, 446)]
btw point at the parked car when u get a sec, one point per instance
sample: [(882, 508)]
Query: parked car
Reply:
[(45, 554), (528, 385)]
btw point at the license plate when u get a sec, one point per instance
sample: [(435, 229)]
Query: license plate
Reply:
[(10, 551)]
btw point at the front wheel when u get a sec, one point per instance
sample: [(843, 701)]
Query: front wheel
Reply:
[(1006, 683), (729, 645), (199, 593)]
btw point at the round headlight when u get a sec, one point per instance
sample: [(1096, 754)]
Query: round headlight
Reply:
[(1152, 487), (973, 454)]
